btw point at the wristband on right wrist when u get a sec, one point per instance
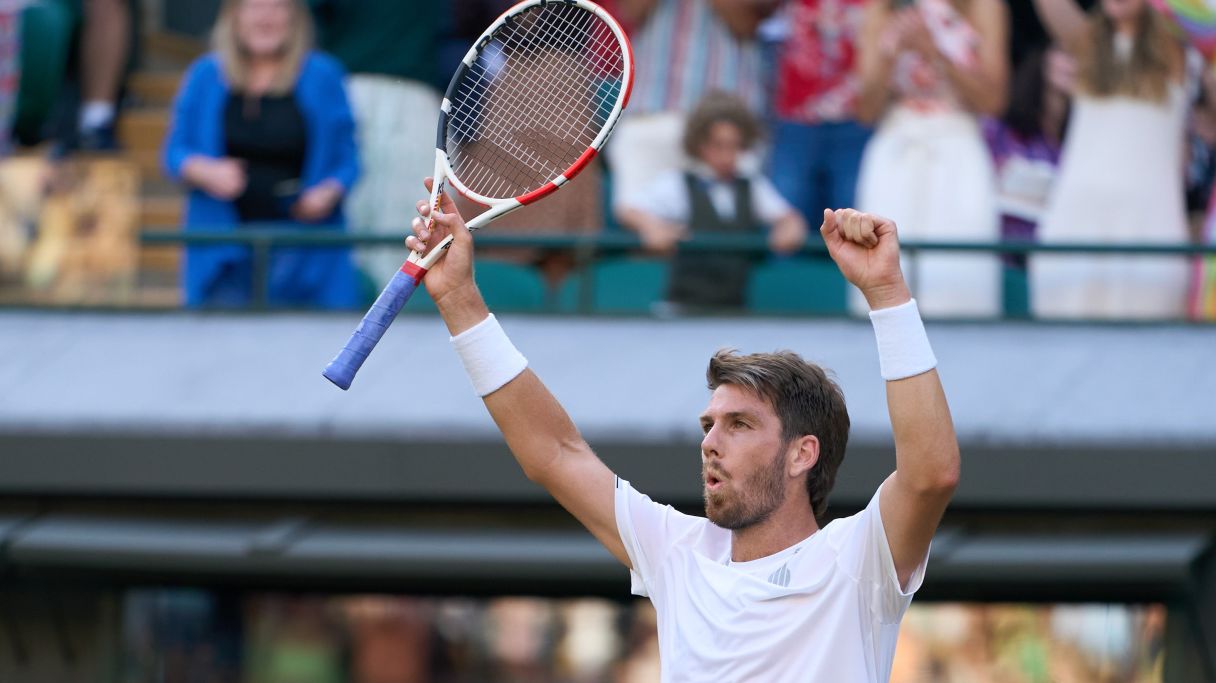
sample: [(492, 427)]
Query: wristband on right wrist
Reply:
[(903, 345)]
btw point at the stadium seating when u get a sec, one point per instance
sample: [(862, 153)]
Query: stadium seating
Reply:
[(797, 285), (615, 285), (505, 286)]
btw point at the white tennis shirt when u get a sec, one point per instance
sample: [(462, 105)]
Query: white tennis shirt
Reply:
[(825, 610)]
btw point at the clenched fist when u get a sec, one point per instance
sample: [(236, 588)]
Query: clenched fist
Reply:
[(866, 249)]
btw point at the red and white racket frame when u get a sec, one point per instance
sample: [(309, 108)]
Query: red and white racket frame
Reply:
[(417, 264)]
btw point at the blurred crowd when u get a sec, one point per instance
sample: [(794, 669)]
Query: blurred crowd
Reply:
[(190, 635), (1050, 122)]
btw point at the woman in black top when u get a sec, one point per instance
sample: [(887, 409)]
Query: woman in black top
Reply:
[(267, 133), (263, 133)]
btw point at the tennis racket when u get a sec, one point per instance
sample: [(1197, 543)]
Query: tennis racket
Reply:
[(530, 105)]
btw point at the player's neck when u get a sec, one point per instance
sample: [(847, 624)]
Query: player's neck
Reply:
[(789, 524)]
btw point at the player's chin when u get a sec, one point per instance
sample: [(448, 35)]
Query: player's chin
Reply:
[(717, 504)]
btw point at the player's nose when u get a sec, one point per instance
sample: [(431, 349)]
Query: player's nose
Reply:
[(709, 444)]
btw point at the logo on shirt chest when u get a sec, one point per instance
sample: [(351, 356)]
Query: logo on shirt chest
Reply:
[(781, 577)]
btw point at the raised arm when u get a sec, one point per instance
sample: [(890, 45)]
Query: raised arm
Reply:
[(874, 62), (1065, 22), (537, 429), (927, 459), (984, 86)]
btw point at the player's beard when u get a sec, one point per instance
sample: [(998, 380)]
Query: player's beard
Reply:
[(739, 505)]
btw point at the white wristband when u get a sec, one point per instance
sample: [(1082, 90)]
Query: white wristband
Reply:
[(489, 357), (903, 346)]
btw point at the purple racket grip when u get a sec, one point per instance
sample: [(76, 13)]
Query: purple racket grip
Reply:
[(341, 370)]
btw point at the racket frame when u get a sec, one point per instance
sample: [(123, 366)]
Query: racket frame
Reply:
[(417, 263)]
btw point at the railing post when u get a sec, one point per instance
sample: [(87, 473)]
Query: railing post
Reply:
[(586, 254), (261, 272)]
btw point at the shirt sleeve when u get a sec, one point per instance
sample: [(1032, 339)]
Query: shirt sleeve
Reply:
[(768, 202), (648, 531), (665, 197), (866, 554)]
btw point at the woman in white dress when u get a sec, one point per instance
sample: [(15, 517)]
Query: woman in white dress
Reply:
[(1121, 171), (929, 69)]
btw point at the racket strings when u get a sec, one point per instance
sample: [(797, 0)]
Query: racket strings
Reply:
[(536, 98), (534, 150)]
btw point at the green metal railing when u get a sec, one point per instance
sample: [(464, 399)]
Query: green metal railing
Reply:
[(261, 240)]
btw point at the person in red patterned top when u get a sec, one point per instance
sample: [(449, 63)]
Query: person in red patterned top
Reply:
[(817, 142)]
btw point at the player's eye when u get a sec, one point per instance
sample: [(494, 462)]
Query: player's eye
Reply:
[(740, 424)]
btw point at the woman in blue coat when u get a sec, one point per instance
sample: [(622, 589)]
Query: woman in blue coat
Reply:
[(262, 133)]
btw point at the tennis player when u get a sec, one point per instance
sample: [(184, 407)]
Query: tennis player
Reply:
[(757, 590)]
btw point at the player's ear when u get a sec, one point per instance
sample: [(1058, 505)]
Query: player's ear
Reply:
[(803, 454)]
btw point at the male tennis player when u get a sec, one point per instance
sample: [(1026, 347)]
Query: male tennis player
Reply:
[(758, 591)]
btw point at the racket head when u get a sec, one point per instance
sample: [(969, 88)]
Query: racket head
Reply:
[(532, 102)]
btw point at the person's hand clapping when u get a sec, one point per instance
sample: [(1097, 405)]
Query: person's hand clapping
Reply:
[(787, 236), (1061, 71), (866, 249), (223, 178), (661, 237), (913, 33), (317, 202)]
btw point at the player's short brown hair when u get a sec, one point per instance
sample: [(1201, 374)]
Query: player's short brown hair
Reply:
[(718, 106), (806, 401)]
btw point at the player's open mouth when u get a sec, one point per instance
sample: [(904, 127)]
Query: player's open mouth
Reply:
[(712, 482)]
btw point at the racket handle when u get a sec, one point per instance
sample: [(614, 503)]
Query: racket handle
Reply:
[(341, 370)]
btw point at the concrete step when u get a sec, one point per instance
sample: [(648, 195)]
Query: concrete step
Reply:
[(143, 129), (141, 135), (148, 162), (159, 186), (169, 50), (160, 263), (161, 211), (154, 88)]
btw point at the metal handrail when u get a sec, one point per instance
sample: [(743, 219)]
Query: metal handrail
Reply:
[(262, 238), (623, 242)]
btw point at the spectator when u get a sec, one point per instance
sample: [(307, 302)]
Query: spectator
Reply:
[(389, 48), (1203, 288), (713, 196), (1121, 170), (817, 142), (10, 68), (390, 639), (98, 59), (14, 204), (1202, 298), (262, 132), (929, 69), (1025, 145), (684, 49), (105, 44)]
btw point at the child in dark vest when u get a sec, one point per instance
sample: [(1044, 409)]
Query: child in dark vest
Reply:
[(715, 195)]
